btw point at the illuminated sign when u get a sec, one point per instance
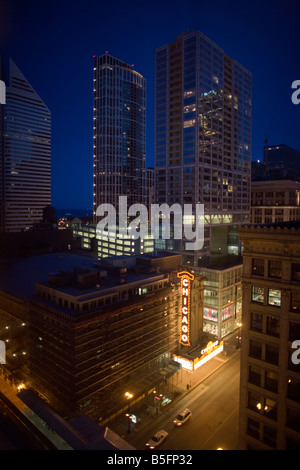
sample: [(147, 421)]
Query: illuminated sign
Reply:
[(186, 279), (209, 347), (211, 350)]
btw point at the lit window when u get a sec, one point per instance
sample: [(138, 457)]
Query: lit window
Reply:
[(258, 267), (258, 294), (274, 297)]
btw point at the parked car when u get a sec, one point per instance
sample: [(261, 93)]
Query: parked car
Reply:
[(157, 439), (182, 417)]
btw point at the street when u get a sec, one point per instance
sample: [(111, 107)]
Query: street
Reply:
[(214, 404)]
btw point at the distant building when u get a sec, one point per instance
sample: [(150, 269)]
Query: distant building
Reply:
[(275, 201), (148, 187), (257, 170), (270, 378), (280, 162), (25, 153), (103, 244)]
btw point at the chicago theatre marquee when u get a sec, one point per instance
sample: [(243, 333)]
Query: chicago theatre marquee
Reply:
[(195, 347)]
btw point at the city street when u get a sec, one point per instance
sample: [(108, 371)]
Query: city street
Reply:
[(214, 404)]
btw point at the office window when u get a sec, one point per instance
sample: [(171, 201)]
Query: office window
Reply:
[(269, 436), (294, 331), (274, 297), (295, 301), (258, 267), (254, 375), (256, 322), (254, 401), (292, 444), (253, 428), (272, 354), (293, 389), (270, 408), (271, 381), (272, 327), (255, 349), (293, 419), (275, 269), (258, 294), (296, 271)]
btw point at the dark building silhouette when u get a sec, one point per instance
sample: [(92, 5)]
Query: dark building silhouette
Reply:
[(280, 162)]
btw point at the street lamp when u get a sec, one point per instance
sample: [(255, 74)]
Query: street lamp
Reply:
[(128, 396), (239, 325)]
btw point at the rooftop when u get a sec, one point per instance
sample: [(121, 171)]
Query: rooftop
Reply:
[(19, 278), (279, 226)]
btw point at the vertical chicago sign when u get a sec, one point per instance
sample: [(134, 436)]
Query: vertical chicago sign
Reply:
[(185, 306)]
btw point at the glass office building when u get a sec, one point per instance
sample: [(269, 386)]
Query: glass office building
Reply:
[(25, 153), (119, 124), (203, 132)]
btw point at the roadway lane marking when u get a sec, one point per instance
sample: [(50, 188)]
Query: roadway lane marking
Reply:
[(217, 429)]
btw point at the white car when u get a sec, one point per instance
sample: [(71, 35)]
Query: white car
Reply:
[(183, 417), (157, 439)]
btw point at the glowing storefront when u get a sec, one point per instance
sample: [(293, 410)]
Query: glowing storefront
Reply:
[(207, 353)]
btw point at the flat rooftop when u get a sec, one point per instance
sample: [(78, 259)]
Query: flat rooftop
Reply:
[(288, 225), (19, 277)]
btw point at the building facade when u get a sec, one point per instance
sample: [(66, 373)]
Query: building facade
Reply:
[(270, 375), (119, 132), (203, 132), (103, 244), (281, 162), (99, 329), (25, 153), (275, 201), (222, 308)]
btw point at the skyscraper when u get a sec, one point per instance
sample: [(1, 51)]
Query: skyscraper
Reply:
[(25, 153), (119, 132), (203, 134)]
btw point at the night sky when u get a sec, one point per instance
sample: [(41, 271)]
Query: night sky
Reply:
[(53, 43)]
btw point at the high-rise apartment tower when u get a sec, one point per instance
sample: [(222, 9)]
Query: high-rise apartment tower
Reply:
[(119, 132)]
